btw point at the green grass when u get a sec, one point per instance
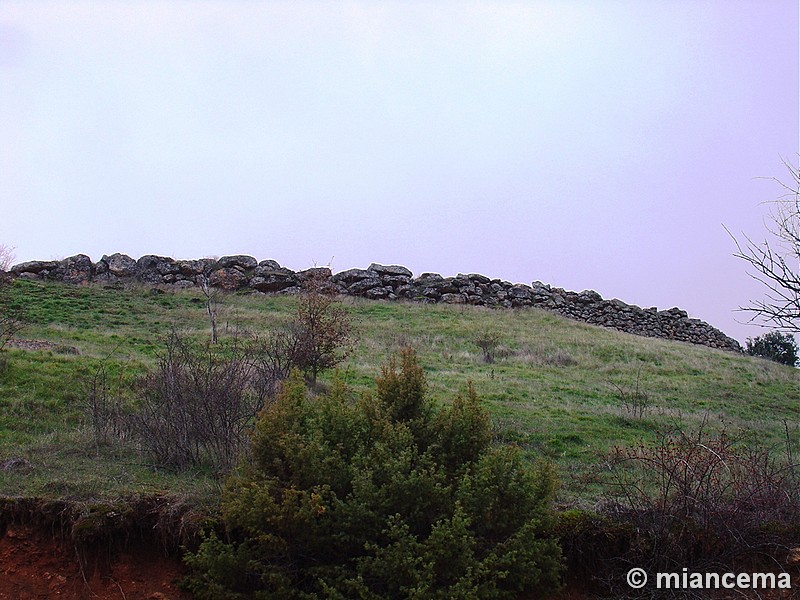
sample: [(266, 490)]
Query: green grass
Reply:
[(553, 389)]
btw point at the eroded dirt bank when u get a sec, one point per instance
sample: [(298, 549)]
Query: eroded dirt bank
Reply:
[(35, 564), (65, 551), (127, 549)]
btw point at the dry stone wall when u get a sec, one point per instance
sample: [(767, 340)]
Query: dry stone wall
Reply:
[(379, 282)]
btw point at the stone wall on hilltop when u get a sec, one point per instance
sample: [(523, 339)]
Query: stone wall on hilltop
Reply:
[(379, 282)]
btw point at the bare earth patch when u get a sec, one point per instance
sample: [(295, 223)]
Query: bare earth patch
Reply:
[(41, 345), (34, 564)]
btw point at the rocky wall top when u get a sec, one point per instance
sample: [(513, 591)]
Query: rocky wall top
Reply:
[(379, 282)]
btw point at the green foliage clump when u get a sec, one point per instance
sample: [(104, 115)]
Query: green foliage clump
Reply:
[(386, 496), (776, 346)]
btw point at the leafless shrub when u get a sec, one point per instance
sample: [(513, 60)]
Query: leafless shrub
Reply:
[(703, 502), (103, 407), (273, 358), (559, 358), (634, 399), (488, 341), (197, 406), (11, 320), (6, 257), (542, 356)]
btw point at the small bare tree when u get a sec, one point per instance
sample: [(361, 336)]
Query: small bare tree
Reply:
[(319, 336), (12, 316), (633, 399), (776, 261), (488, 341), (212, 304), (6, 257)]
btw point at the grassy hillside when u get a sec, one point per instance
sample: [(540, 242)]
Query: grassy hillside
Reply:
[(557, 387)]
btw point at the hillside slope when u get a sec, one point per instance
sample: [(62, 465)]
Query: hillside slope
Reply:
[(561, 389)]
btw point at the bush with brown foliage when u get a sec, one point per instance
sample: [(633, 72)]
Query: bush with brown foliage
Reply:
[(322, 329), (702, 501)]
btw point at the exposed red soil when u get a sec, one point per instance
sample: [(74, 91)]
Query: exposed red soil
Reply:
[(35, 564)]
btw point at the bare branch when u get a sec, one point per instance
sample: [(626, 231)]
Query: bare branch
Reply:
[(775, 262), (212, 296), (6, 257)]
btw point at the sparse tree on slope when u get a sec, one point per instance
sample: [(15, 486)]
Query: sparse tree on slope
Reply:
[(11, 314), (322, 328)]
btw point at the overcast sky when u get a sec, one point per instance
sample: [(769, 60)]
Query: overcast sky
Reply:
[(590, 145)]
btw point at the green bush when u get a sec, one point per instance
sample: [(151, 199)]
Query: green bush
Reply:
[(385, 496), (776, 346)]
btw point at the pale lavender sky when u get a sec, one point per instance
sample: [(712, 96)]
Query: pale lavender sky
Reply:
[(591, 145)]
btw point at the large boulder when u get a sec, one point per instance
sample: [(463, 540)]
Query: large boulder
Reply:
[(478, 278), (379, 293), (320, 273), (360, 287), (270, 264), (229, 279), (519, 292), (351, 276), (674, 314), (34, 266), (194, 268), (452, 298), (265, 270), (428, 279), (237, 261), (120, 265), (438, 284), (390, 270), (76, 269), (152, 269), (588, 297), (395, 281), (269, 280)]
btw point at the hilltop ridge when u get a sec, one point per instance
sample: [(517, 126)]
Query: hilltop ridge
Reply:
[(378, 282)]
